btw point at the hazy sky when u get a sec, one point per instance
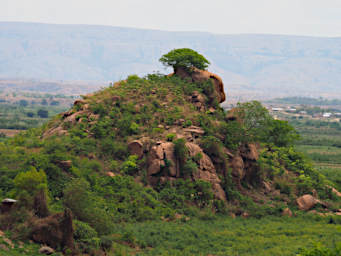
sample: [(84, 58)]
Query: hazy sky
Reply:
[(297, 17)]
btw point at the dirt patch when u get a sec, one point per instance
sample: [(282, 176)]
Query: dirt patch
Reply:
[(10, 132)]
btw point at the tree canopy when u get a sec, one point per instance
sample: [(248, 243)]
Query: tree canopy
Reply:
[(185, 58)]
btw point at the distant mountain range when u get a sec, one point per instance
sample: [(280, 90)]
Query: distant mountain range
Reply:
[(251, 65)]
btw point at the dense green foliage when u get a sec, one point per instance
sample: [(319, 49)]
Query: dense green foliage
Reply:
[(253, 123), (184, 58)]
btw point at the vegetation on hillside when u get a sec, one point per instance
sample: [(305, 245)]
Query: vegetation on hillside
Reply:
[(80, 162)]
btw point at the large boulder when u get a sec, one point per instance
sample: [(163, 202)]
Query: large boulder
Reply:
[(136, 148), (46, 250), (306, 202), (198, 75), (287, 212), (158, 156), (237, 165), (250, 152), (59, 131), (204, 75)]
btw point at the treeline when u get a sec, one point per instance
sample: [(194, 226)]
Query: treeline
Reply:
[(25, 117), (307, 101), (317, 124)]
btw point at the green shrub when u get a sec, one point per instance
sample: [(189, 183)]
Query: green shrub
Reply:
[(285, 187), (233, 134), (130, 166), (106, 242), (83, 231), (114, 166), (28, 184), (157, 130), (114, 149), (134, 128), (86, 206), (129, 238), (280, 133), (189, 168), (170, 136), (180, 151), (197, 157), (132, 78), (30, 181), (203, 193), (207, 215), (170, 196), (187, 123), (90, 245), (213, 148), (320, 250), (220, 206)]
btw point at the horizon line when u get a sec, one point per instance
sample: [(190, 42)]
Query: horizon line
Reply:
[(170, 31)]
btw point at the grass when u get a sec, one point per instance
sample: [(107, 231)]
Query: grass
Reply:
[(222, 235), (234, 237), (27, 249)]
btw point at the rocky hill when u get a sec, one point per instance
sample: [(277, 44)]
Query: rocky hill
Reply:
[(250, 65), (158, 147)]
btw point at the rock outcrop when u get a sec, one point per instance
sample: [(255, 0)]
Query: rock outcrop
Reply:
[(161, 156), (244, 164), (55, 231), (306, 202), (46, 250), (198, 75), (136, 148), (334, 191), (287, 212), (163, 163)]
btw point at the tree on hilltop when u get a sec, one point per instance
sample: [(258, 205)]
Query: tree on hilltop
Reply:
[(185, 58)]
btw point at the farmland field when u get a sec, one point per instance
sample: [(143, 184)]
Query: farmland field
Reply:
[(321, 142), (21, 111)]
